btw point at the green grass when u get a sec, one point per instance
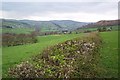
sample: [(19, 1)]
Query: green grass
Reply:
[(0, 62), (109, 54), (15, 54), (17, 30), (114, 28), (91, 29)]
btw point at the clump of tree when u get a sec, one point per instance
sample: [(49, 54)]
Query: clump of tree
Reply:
[(48, 33), (104, 29), (75, 58), (11, 39), (87, 31)]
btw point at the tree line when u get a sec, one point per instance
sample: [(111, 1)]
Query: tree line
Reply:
[(104, 29)]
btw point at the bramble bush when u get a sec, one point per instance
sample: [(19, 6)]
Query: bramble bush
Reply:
[(75, 58)]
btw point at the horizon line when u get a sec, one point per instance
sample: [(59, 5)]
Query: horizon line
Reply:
[(57, 20)]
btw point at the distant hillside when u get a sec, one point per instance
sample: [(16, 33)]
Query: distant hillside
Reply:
[(6, 23), (69, 24), (54, 25), (102, 23)]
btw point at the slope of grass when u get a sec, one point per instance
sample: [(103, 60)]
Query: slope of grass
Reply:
[(16, 54), (109, 54), (17, 30), (114, 28), (91, 29)]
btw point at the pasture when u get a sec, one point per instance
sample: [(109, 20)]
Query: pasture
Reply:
[(15, 54), (109, 54), (114, 28), (108, 60), (17, 30)]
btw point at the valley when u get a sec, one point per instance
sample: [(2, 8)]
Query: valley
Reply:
[(51, 34)]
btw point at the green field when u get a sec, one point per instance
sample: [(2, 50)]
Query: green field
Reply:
[(114, 28), (109, 54), (16, 54), (91, 29), (17, 30)]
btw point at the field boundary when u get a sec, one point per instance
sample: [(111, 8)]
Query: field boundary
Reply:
[(73, 58)]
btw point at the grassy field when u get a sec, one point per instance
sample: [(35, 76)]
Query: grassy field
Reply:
[(17, 30), (114, 28), (16, 54), (91, 29), (109, 54)]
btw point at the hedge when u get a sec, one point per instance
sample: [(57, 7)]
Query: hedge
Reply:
[(75, 58), (9, 39)]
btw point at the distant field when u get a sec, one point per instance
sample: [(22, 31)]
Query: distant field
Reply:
[(17, 30), (28, 30), (21, 30), (16, 54), (109, 54), (93, 29), (46, 30)]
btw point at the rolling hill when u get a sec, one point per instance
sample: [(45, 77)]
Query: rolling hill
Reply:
[(9, 23), (102, 23), (53, 25)]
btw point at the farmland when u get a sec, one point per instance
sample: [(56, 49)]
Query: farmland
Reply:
[(114, 28), (17, 30), (59, 40), (16, 54), (108, 53), (74, 58)]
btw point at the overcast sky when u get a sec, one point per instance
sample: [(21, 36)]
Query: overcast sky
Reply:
[(78, 11)]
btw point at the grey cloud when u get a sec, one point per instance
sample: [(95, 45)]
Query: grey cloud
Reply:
[(57, 7), (43, 8)]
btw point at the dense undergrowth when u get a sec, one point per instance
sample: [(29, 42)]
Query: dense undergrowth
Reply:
[(75, 58)]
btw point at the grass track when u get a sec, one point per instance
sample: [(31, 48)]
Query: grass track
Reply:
[(109, 54)]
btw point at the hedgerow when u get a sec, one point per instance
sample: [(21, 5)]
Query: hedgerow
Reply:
[(75, 58), (10, 39)]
